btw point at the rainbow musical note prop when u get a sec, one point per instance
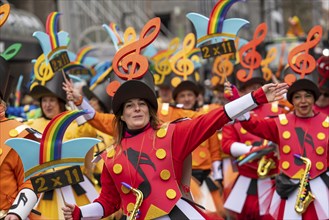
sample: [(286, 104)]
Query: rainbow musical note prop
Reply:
[(249, 57), (299, 59), (217, 28), (51, 152)]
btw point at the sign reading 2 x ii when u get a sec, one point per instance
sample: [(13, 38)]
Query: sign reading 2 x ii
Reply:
[(218, 49), (60, 178)]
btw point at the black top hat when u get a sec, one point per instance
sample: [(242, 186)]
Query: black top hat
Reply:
[(142, 88), (133, 79), (49, 84), (303, 84), (97, 88)]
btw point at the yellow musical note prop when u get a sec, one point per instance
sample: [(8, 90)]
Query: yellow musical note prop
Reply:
[(222, 68), (180, 64), (267, 72), (162, 64), (42, 71)]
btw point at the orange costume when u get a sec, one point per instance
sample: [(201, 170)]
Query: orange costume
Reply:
[(12, 172)]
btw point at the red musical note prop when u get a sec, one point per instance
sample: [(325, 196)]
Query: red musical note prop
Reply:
[(249, 57), (130, 56), (299, 59), (323, 69)]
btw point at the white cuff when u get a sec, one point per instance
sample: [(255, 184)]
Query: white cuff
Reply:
[(24, 202), (86, 106), (244, 117), (92, 211), (81, 119), (217, 170), (238, 149), (240, 106)]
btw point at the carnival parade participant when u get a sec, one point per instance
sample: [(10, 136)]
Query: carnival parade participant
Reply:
[(17, 197), (302, 188), (249, 197), (146, 160), (53, 102)]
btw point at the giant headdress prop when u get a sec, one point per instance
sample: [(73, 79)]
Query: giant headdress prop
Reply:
[(132, 78), (50, 64), (51, 152)]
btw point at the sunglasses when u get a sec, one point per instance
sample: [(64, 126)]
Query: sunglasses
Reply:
[(325, 94)]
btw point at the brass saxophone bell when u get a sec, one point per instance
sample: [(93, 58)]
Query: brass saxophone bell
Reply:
[(264, 166)]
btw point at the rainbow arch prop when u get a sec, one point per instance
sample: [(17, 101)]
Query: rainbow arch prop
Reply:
[(216, 28), (51, 152)]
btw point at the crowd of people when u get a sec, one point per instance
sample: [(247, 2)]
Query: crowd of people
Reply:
[(258, 150)]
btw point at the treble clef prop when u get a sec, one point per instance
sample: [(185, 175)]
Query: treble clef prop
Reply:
[(299, 59), (131, 69), (132, 62), (180, 64), (222, 68), (161, 62), (249, 58)]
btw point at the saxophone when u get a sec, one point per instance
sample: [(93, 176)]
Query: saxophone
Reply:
[(303, 200), (138, 203), (264, 166)]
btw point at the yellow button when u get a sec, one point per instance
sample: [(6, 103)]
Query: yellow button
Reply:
[(284, 121), (161, 133), (110, 154), (13, 133), (165, 174), (286, 149), (0, 151), (321, 136), (130, 207), (319, 165), (171, 194), (117, 168), (164, 111), (248, 143), (274, 108), (285, 165), (243, 131), (325, 124), (286, 135), (202, 154), (160, 153), (124, 189), (319, 150)]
